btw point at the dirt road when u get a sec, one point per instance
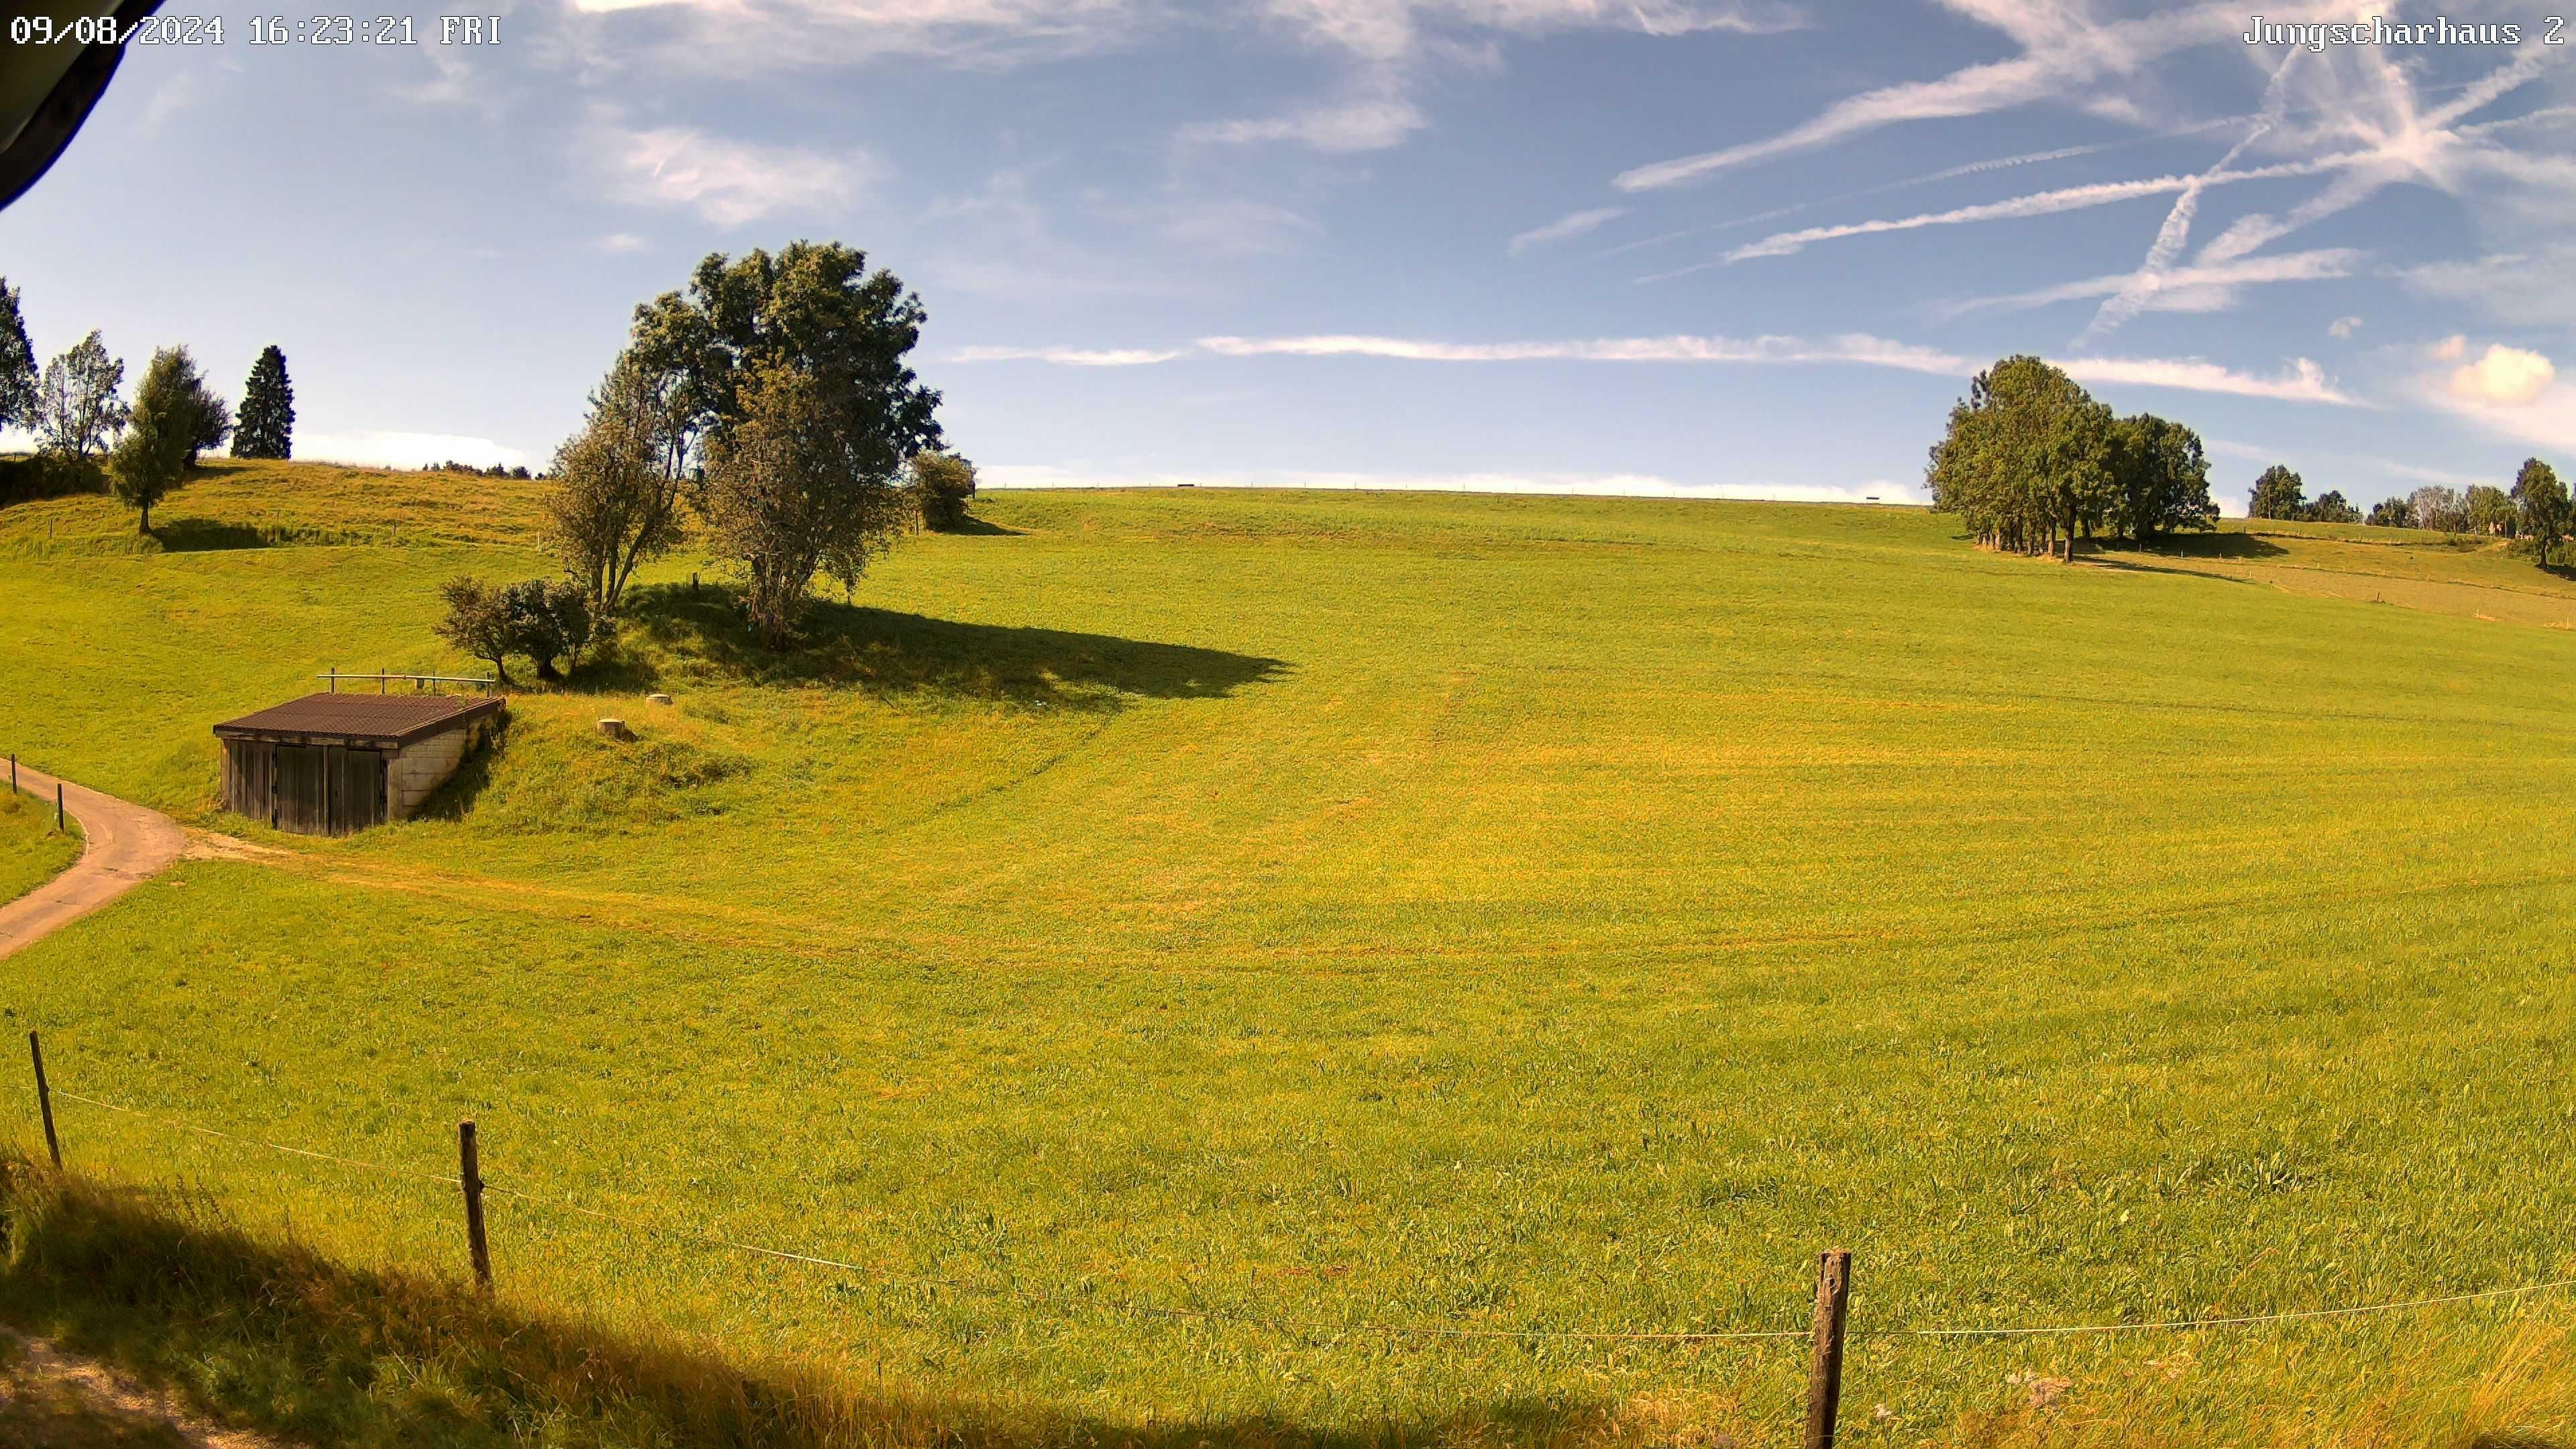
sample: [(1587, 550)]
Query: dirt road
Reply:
[(127, 844)]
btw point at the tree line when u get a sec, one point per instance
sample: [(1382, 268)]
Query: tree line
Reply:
[(768, 413), (2032, 463), (87, 432)]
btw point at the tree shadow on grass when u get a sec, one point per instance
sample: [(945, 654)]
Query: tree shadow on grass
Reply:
[(973, 527), (205, 535), (2211, 545), (279, 1339), (897, 655)]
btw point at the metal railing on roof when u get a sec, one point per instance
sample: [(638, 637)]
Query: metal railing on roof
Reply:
[(420, 682)]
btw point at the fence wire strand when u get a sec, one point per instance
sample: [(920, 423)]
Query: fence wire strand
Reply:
[(1317, 1326)]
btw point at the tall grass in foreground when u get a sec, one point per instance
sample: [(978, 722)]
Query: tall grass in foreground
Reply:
[(263, 1332)]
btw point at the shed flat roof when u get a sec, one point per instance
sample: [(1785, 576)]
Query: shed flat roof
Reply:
[(387, 719)]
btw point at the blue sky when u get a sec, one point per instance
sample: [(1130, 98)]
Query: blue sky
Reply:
[(1713, 247)]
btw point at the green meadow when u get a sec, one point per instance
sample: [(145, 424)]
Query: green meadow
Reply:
[(1287, 967), (32, 851)]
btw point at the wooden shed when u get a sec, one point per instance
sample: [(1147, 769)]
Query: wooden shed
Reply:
[(330, 764)]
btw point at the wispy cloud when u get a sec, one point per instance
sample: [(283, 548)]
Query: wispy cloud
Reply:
[(2064, 52), (1625, 485), (2180, 289), (2343, 327), (2303, 381), (728, 182), (1366, 124), (1564, 228), (1068, 356)]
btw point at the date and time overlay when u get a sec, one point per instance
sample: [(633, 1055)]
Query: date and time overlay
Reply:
[(199, 30)]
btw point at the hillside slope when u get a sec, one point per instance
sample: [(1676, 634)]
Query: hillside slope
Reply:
[(1334, 914)]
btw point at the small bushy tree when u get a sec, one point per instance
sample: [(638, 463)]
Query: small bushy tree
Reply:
[(942, 485), (77, 409), (477, 622), (619, 485), (18, 376), (160, 439), (2543, 501), (2278, 493), (549, 619), (265, 426)]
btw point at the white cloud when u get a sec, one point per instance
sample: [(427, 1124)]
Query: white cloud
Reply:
[(622, 243), (2180, 289), (2342, 327), (1854, 347), (764, 35), (1066, 356), (380, 449), (1628, 485), (727, 182), (1564, 228), (2065, 53), (1235, 227), (2303, 381), (2505, 376), (2451, 348), (1360, 125)]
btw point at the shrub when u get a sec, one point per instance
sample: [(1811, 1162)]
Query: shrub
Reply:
[(23, 480), (477, 622), (943, 484), (549, 619)]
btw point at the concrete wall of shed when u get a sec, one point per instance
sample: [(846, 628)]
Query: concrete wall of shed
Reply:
[(415, 771)]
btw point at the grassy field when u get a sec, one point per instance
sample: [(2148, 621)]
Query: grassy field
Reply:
[(1187, 945), (32, 852)]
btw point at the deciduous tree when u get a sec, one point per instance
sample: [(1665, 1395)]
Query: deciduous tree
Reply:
[(619, 484), (2278, 493), (2027, 459), (2331, 507), (77, 409), (2492, 511), (2543, 501), (942, 485), (2162, 477), (477, 622), (793, 490), (2393, 513), (168, 417)]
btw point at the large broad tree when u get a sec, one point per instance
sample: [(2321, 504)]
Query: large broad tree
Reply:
[(161, 436), (619, 483), (792, 491), (2543, 501), (77, 409), (2393, 513), (814, 307), (2162, 475), (2027, 460), (18, 374), (2331, 507), (265, 426), (2278, 493), (810, 350)]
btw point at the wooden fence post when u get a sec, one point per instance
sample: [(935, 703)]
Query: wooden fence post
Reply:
[(58, 807), (470, 1173), (45, 1101), (1825, 1351)]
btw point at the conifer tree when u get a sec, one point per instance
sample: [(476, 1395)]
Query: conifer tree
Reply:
[(265, 427), (17, 364)]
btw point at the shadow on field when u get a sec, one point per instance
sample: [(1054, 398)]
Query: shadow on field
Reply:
[(204, 535), (893, 654), (973, 527), (2213, 545), (2136, 564), (281, 1340)]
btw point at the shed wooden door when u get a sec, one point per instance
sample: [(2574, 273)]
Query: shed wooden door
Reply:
[(326, 790)]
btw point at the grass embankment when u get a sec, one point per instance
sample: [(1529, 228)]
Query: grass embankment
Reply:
[(32, 851), (1333, 913)]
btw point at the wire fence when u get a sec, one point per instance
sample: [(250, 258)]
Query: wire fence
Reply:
[(883, 1273)]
